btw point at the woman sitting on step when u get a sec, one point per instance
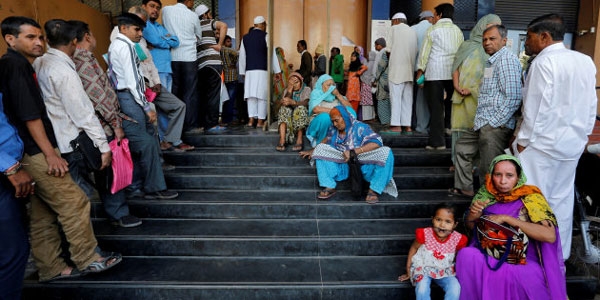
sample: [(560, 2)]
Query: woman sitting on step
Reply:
[(332, 155), (293, 115), (323, 98)]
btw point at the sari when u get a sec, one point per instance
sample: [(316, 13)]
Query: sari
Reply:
[(377, 166), (295, 118), (320, 123), (470, 61), (543, 277), (279, 86)]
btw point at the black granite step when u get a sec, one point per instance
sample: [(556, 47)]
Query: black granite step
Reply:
[(234, 157)]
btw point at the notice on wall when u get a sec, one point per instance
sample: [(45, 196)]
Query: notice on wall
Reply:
[(379, 29)]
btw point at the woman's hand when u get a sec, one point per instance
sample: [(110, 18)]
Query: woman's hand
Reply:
[(477, 207), (346, 155), (306, 154), (287, 101), (403, 277)]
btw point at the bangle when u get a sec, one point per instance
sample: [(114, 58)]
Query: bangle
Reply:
[(13, 169)]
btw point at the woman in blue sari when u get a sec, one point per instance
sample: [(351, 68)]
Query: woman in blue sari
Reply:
[(332, 155), (323, 98)]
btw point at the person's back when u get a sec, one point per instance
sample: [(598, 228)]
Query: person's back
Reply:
[(183, 23)]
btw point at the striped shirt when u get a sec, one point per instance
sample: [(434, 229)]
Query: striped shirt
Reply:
[(439, 47), (500, 91), (230, 59), (205, 53), (183, 23), (125, 68)]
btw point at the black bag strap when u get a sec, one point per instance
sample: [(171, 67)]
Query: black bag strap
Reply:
[(504, 256)]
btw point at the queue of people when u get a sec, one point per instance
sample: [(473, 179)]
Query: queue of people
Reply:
[(472, 89)]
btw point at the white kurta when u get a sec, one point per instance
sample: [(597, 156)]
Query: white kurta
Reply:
[(256, 82), (559, 109), (402, 46)]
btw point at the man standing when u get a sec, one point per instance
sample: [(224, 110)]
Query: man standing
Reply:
[(130, 86), (435, 61), (210, 67), (402, 49), (499, 98), (15, 183), (336, 67), (57, 198), (305, 62), (421, 111), (559, 109), (253, 64), (230, 75), (160, 42), (183, 23), (320, 61)]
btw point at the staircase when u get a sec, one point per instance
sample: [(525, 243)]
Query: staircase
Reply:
[(247, 225)]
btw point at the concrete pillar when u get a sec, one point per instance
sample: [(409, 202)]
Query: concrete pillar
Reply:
[(587, 39)]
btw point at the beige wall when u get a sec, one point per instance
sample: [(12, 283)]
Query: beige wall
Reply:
[(431, 4), (295, 20), (42, 11), (589, 43)]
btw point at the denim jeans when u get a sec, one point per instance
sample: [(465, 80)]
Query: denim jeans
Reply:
[(229, 110), (115, 205), (449, 284), (143, 144), (15, 243)]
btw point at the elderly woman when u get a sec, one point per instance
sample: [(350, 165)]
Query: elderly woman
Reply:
[(332, 156), (293, 115), (534, 273), (323, 98)]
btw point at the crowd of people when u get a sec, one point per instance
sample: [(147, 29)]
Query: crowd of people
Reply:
[(184, 78)]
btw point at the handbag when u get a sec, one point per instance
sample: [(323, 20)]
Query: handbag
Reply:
[(122, 165), (356, 176), (91, 154), (494, 239)]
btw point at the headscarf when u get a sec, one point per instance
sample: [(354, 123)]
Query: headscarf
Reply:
[(537, 206), (356, 133), (473, 44), (296, 94), (355, 65), (361, 54), (317, 95), (297, 75)]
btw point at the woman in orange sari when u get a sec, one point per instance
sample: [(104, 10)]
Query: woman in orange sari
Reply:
[(355, 70)]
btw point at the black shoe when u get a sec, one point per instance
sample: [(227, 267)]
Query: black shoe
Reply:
[(168, 167), (128, 221), (166, 194)]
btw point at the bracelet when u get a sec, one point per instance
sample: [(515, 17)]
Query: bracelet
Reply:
[(13, 169)]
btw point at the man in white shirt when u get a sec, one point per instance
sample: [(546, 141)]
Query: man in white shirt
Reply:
[(421, 111), (435, 61), (559, 109), (182, 22), (402, 49), (129, 82), (253, 65)]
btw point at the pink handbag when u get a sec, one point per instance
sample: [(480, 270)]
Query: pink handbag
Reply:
[(122, 165)]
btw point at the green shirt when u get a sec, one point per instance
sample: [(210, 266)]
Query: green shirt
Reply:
[(336, 70)]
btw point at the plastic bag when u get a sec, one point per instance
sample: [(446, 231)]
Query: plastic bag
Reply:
[(122, 165)]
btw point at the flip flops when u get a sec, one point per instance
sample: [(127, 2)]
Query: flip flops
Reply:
[(326, 193), (298, 147), (372, 197), (458, 192), (103, 265), (74, 274), (280, 147)]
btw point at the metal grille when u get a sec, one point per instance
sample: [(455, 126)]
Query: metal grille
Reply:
[(117, 7), (516, 14), (465, 12)]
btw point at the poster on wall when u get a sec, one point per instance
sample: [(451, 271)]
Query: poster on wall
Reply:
[(379, 28)]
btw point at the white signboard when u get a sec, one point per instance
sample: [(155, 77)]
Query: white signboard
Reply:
[(379, 29)]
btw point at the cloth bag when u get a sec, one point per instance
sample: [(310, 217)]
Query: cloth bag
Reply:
[(356, 176), (91, 154), (494, 239), (122, 165)]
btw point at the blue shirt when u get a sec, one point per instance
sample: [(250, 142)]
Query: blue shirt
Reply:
[(500, 91), (11, 146), (158, 36)]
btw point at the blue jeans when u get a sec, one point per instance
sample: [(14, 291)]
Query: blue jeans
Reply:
[(143, 144), (449, 284), (15, 244), (229, 111), (115, 205)]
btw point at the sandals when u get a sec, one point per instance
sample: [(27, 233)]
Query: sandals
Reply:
[(326, 193), (280, 147), (103, 265), (372, 197), (298, 147), (74, 274), (458, 192)]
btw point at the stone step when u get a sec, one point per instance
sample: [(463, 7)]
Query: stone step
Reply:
[(273, 237), (295, 204), (252, 157), (343, 277)]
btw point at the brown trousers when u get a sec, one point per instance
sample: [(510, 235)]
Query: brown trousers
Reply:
[(58, 201)]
